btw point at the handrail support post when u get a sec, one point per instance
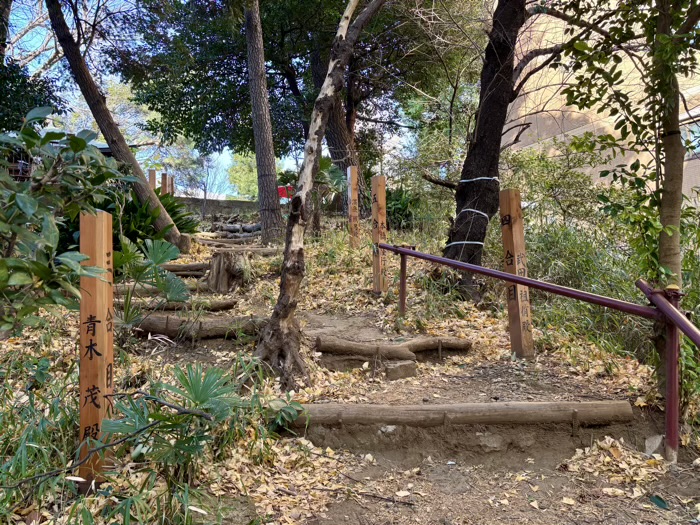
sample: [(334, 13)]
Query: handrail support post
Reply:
[(402, 286), (672, 380)]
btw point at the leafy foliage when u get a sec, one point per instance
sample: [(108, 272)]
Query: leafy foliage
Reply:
[(400, 208), (21, 93), (136, 220), (67, 178), (140, 265)]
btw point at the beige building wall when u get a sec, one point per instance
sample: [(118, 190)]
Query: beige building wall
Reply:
[(544, 108)]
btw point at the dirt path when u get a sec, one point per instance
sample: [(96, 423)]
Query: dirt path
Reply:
[(499, 474), (487, 475)]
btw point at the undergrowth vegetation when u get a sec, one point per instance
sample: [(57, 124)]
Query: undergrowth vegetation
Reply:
[(166, 425)]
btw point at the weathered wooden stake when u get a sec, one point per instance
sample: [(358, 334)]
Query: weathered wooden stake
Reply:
[(515, 259), (164, 186), (379, 233), (172, 185), (354, 206), (96, 339), (152, 178)]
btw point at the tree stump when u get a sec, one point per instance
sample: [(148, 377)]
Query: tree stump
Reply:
[(228, 271)]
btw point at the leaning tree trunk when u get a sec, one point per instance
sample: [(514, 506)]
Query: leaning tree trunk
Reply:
[(109, 128), (279, 342), (268, 198), (477, 192), (5, 10)]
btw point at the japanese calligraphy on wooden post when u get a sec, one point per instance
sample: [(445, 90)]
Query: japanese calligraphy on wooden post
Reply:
[(96, 338), (379, 233), (515, 261), (152, 178), (164, 184), (353, 206)]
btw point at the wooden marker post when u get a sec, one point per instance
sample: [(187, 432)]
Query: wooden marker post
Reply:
[(354, 206), (172, 185), (164, 187), (96, 339), (152, 178), (379, 233), (515, 259)]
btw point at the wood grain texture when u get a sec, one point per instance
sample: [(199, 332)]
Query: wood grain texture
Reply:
[(589, 413)]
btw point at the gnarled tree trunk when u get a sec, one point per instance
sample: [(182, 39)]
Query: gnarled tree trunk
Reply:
[(279, 342), (477, 192), (268, 198), (109, 128)]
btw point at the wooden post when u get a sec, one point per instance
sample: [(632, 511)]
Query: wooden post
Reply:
[(164, 188), (172, 185), (515, 259), (152, 178), (379, 233), (96, 339), (354, 206)]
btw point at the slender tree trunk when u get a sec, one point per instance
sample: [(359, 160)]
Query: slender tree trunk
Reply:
[(673, 149), (109, 128), (5, 10), (477, 192), (268, 198), (279, 342)]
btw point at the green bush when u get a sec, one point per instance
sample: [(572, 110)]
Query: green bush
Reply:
[(401, 206), (68, 177)]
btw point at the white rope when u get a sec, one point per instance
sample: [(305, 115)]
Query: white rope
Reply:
[(480, 178), (464, 242), (474, 211)]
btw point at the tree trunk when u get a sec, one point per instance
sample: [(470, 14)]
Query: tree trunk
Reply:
[(279, 342), (109, 128), (268, 198), (477, 192), (227, 272), (674, 154), (340, 139), (5, 10)]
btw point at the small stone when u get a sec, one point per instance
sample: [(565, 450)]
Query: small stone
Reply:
[(400, 370), (388, 429)]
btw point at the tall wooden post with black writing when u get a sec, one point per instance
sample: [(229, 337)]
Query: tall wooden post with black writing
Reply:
[(152, 178), (515, 259), (164, 184), (353, 206), (379, 233), (96, 338)]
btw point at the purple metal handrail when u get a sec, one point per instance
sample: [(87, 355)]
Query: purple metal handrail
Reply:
[(631, 308), (665, 309)]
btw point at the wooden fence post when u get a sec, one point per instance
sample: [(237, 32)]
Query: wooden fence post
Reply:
[(172, 185), (353, 206), (164, 186), (515, 259), (379, 233), (152, 178), (96, 339)]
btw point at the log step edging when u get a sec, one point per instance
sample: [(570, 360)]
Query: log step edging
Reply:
[(499, 413)]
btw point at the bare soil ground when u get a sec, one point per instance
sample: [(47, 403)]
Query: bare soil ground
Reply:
[(487, 474)]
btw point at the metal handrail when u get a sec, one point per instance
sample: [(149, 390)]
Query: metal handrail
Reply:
[(663, 310)]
